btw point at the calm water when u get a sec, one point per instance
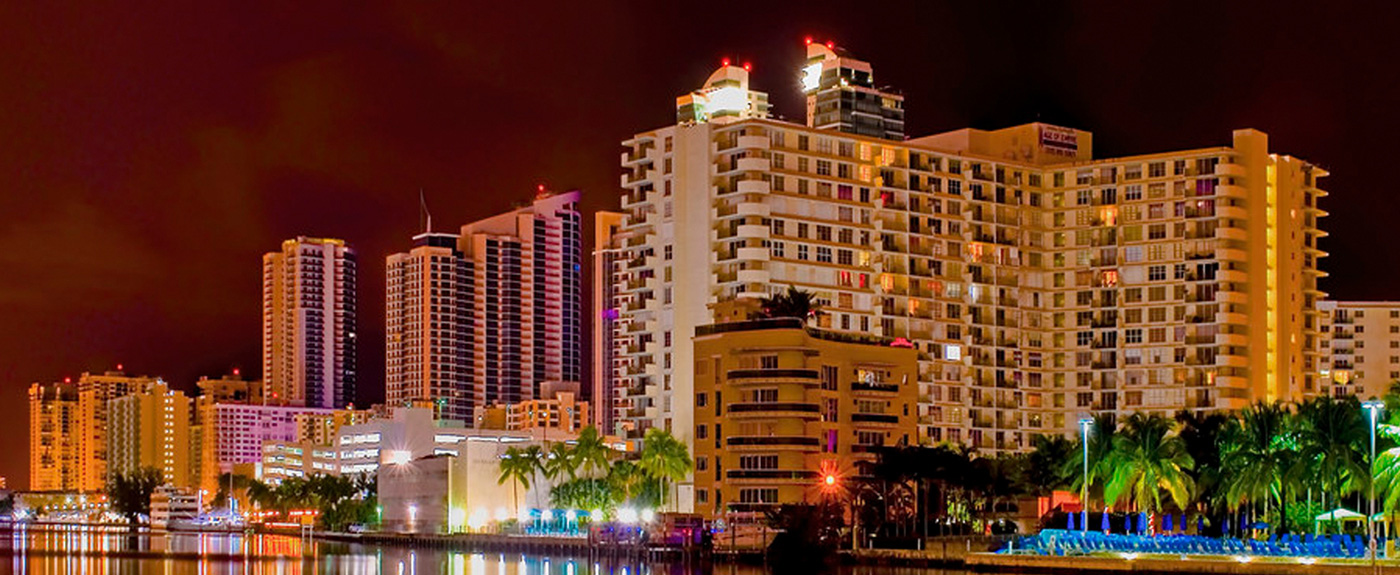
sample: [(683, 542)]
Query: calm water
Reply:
[(83, 552)]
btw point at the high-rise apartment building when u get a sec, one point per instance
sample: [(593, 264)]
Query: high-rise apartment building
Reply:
[(151, 428), (606, 270), (526, 275), (95, 392), (1360, 347), (1039, 284), (309, 323), (74, 416), (428, 344), (53, 437)]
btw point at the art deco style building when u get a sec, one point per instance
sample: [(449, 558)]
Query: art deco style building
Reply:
[(1360, 347), (151, 428), (778, 406), (53, 437), (429, 343), (606, 277), (1039, 284), (309, 323)]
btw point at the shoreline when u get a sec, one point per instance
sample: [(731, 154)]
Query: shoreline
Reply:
[(1172, 565)]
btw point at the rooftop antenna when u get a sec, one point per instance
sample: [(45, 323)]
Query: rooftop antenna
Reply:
[(424, 213)]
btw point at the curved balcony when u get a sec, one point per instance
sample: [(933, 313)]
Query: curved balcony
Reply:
[(773, 409), (754, 208), (1236, 276), (753, 164), (1232, 318), (1230, 170), (753, 276), (1232, 360), (772, 442), (879, 418), (753, 231), (753, 186), (806, 377), (1232, 212), (774, 475), (1228, 233), (1231, 255), (1231, 191), (754, 142), (1231, 339)]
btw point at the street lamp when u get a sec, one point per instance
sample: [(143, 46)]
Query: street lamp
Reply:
[(1085, 424), (1373, 408)]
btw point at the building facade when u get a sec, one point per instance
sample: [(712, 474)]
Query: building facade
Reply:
[(607, 268), (151, 428), (428, 355), (527, 275), (233, 435), (1360, 347), (53, 437), (779, 406), (309, 303), (1040, 284)]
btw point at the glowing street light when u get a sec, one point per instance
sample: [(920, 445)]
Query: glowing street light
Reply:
[(1374, 409), (1085, 424)]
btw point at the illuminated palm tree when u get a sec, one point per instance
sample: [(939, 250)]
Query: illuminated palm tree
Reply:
[(559, 462), (1201, 434), (1101, 454), (664, 458), (1259, 459), (1331, 436), (591, 455), (518, 468), (1149, 459)]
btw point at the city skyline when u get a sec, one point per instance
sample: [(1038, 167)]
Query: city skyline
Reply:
[(147, 306)]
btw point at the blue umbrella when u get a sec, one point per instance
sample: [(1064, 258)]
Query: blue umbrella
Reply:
[(1200, 525), (1128, 523), (1167, 523), (1069, 523), (1104, 522), (1225, 529)]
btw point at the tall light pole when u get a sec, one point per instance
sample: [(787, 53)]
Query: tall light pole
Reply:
[(1084, 424), (1373, 408)]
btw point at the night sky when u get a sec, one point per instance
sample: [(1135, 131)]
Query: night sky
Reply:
[(151, 154)]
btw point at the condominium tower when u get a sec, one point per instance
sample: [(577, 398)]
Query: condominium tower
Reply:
[(53, 437), (1039, 284), (488, 315), (428, 344), (309, 323)]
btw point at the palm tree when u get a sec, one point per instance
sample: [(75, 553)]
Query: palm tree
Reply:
[(1045, 470), (559, 463), (591, 454), (664, 458), (130, 492), (790, 303), (1149, 459), (1201, 434), (516, 467), (1331, 436), (1259, 458), (1101, 454)]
